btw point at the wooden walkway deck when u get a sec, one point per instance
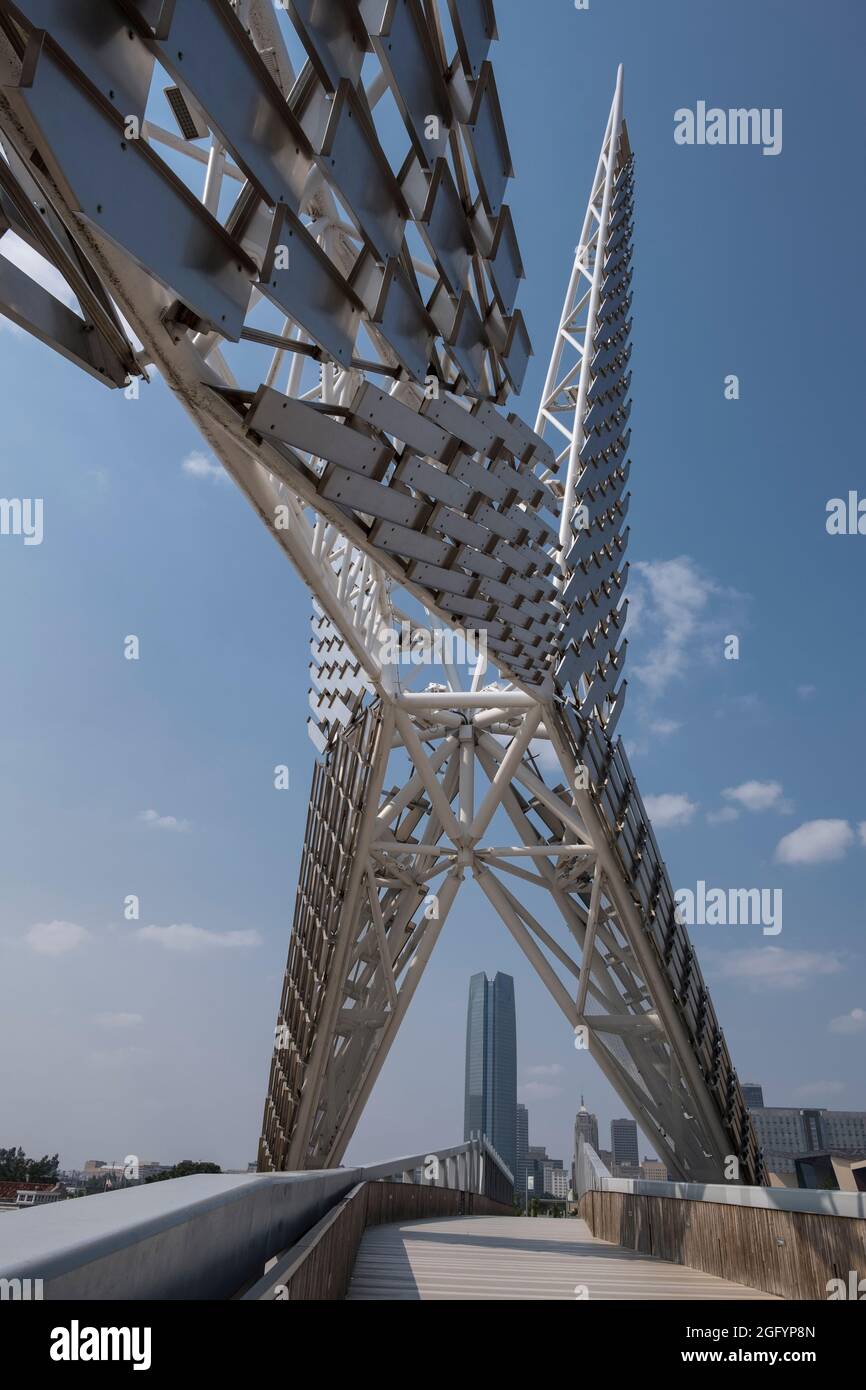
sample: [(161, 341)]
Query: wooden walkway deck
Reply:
[(501, 1257)]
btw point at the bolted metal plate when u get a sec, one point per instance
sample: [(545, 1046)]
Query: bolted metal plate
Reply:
[(298, 277), (97, 38), (126, 191)]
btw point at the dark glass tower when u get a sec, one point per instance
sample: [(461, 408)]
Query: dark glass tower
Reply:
[(491, 1065), (520, 1172), (623, 1143)]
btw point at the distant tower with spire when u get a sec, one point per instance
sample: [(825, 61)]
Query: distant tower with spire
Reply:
[(587, 1125)]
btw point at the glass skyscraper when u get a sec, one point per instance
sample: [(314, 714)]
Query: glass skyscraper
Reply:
[(623, 1143), (490, 1106), (520, 1172)]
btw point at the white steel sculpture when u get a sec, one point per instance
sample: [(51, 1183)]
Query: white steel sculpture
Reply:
[(344, 333)]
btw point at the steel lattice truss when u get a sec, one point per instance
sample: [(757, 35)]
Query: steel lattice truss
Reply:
[(342, 327)]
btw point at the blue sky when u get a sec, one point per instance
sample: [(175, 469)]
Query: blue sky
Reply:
[(158, 1042)]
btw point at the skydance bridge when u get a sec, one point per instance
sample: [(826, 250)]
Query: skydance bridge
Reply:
[(342, 326)]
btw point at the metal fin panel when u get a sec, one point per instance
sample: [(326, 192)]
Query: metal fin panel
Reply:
[(126, 191)]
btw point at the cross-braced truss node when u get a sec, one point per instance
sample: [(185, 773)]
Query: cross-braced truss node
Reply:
[(343, 329)]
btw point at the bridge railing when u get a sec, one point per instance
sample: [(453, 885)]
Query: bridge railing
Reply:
[(793, 1242), (468, 1180), (474, 1166), (205, 1236)]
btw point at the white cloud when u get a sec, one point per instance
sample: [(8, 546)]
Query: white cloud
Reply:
[(672, 619), (158, 822), (756, 796), (861, 831), (727, 813), (55, 938), (36, 266), (198, 465), (818, 1090), (553, 1069), (663, 728), (773, 967), (740, 707), (670, 809), (537, 1090), (182, 936), (118, 1020), (816, 842), (854, 1022)]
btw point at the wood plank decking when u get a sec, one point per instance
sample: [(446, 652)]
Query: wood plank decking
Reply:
[(518, 1258)]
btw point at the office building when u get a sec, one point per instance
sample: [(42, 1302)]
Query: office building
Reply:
[(586, 1128), (786, 1133), (555, 1181), (586, 1125), (536, 1157), (653, 1170), (753, 1095), (623, 1143), (549, 1176), (131, 1170), (490, 1106), (522, 1151)]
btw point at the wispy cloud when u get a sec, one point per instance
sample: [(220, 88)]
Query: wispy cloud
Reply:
[(774, 967), (805, 692), (816, 842), (113, 1021), (537, 1090), (549, 1069), (722, 816), (854, 1022), (748, 707), (664, 728), (182, 936), (198, 465), (677, 616), (670, 809), (158, 822), (55, 938), (758, 796)]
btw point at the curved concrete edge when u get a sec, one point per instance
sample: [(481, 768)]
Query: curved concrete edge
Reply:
[(200, 1237)]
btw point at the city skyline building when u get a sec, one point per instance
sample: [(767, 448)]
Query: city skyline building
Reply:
[(550, 1178), (786, 1133), (586, 1124), (623, 1143), (585, 1127), (753, 1095), (522, 1151), (653, 1170), (490, 1097), (555, 1180)]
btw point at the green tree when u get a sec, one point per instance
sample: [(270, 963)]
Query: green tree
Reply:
[(15, 1166), (185, 1169)]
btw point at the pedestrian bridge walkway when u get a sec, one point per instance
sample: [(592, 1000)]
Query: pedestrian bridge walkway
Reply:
[(501, 1257)]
